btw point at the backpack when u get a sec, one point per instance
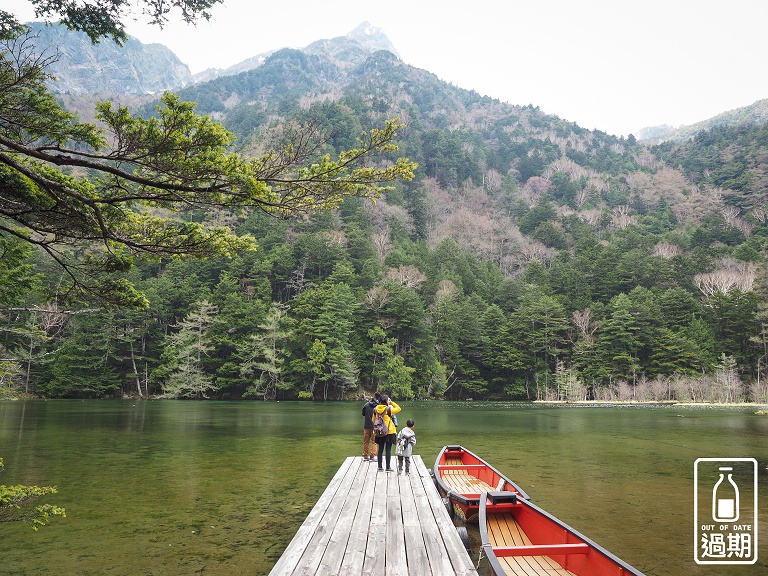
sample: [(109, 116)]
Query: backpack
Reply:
[(380, 428)]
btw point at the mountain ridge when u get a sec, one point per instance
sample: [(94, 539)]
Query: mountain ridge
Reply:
[(757, 112), (83, 68), (364, 39), (148, 69), (459, 137)]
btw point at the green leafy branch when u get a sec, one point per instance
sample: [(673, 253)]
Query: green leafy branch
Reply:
[(14, 502), (94, 198)]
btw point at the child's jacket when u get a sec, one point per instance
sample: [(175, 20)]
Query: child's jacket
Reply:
[(406, 440)]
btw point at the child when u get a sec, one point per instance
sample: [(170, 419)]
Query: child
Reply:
[(406, 440)]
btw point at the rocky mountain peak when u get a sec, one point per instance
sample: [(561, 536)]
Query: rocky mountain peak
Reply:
[(136, 68), (106, 68), (347, 51), (372, 38)]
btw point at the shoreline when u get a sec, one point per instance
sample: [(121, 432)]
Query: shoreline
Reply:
[(654, 403), (761, 406)]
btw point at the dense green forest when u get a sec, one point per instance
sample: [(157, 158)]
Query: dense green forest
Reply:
[(528, 259)]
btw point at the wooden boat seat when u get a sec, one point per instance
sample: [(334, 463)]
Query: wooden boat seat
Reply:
[(504, 531), (459, 480)]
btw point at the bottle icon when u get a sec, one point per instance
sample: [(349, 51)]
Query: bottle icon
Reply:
[(725, 498)]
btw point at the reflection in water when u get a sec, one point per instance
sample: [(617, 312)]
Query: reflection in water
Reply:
[(171, 487)]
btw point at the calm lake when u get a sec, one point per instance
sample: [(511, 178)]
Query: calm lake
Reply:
[(220, 488)]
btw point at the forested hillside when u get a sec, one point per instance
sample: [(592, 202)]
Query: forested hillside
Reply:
[(528, 259)]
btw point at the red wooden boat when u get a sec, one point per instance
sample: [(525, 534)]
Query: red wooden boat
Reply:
[(521, 539), (463, 478)]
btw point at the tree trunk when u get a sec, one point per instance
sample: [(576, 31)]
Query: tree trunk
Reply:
[(136, 371), (29, 365)]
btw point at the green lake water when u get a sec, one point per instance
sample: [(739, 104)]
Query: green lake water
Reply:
[(220, 488)]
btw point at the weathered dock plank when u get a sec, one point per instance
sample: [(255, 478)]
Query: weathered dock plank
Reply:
[(416, 535), (355, 553), (395, 535), (368, 522), (436, 552)]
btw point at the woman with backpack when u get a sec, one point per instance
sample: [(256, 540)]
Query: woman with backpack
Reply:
[(386, 410), (369, 438)]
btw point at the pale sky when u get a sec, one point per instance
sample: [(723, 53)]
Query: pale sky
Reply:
[(612, 65)]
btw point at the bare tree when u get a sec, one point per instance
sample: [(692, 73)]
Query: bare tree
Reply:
[(376, 299), (383, 244), (730, 214), (408, 276), (446, 289), (760, 213), (297, 282), (621, 217), (534, 190), (587, 327), (625, 391), (728, 386), (591, 217), (492, 181), (535, 251), (335, 238), (666, 250), (729, 277), (661, 389), (583, 195)]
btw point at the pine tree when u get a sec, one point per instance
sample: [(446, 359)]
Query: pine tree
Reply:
[(617, 342), (333, 327), (389, 370), (264, 356), (320, 342), (543, 325), (189, 345), (84, 364)]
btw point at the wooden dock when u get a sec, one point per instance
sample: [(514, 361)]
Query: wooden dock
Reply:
[(354, 529)]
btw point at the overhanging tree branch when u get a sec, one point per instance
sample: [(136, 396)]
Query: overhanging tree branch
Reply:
[(104, 18), (94, 198)]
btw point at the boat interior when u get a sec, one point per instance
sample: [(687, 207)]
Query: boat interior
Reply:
[(503, 530), (460, 480)]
